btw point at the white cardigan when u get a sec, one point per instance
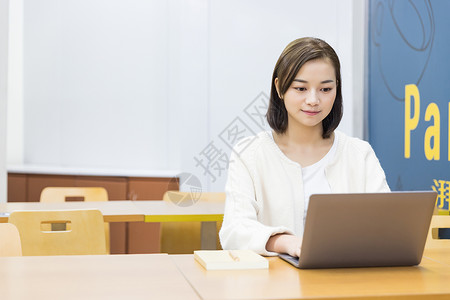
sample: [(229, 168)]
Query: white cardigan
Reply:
[(263, 184)]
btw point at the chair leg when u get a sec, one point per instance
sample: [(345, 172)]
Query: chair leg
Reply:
[(208, 236)]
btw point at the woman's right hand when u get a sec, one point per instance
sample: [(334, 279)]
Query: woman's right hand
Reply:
[(284, 243)]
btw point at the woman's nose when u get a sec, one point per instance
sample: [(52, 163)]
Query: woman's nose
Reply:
[(312, 98)]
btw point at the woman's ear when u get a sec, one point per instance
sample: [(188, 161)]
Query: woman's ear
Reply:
[(278, 89)]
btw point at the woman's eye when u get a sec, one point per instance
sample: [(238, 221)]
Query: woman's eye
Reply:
[(326, 90), (300, 89)]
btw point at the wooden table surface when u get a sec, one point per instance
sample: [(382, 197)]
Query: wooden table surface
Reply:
[(429, 280), (440, 255), (159, 276), (145, 276), (113, 211), (166, 211), (129, 211)]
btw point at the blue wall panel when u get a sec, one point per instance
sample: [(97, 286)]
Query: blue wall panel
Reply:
[(409, 44)]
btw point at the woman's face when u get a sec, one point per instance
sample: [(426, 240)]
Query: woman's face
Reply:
[(311, 95)]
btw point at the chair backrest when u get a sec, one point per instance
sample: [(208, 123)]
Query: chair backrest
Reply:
[(433, 240), (60, 194), (62, 232), (9, 240)]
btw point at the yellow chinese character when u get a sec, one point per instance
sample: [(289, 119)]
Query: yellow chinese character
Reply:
[(441, 187)]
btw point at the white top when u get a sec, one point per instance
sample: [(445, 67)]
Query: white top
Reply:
[(314, 179), (264, 185)]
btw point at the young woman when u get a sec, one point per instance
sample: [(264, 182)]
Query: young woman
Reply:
[(272, 175)]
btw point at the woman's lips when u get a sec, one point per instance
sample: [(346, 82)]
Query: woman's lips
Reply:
[(310, 112)]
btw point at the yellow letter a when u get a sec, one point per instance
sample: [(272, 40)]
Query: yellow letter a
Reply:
[(434, 132)]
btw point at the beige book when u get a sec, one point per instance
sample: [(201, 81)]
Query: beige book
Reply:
[(230, 259)]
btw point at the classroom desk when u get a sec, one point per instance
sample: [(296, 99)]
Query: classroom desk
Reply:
[(429, 280), (209, 213), (113, 211), (147, 276), (440, 255), (162, 276), (166, 211)]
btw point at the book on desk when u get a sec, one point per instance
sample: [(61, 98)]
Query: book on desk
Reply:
[(230, 259)]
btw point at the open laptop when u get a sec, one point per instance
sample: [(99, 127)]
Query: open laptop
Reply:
[(365, 230)]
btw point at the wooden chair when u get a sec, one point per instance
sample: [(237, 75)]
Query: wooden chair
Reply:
[(433, 241), (60, 232), (9, 240), (184, 237), (62, 194)]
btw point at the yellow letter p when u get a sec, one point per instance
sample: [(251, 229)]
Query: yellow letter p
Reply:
[(411, 123)]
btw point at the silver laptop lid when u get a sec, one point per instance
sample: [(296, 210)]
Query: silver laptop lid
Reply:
[(365, 230)]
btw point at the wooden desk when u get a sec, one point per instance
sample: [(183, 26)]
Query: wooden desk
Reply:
[(430, 280), (147, 276), (206, 212), (159, 276), (440, 255), (113, 211), (165, 211)]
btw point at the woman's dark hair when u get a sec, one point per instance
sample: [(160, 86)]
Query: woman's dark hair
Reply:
[(294, 56)]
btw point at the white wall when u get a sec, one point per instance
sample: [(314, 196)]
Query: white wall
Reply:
[(15, 84), (149, 84), (3, 94), (96, 83)]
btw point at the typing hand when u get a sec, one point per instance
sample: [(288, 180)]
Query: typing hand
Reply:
[(294, 247), (285, 243)]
